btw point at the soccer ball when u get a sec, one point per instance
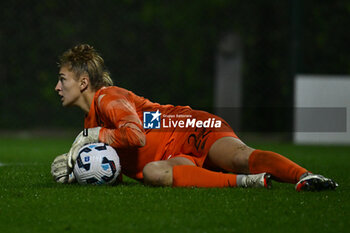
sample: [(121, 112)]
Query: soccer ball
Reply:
[(97, 163)]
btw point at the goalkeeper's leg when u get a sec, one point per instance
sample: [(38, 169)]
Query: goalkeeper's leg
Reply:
[(231, 154), (181, 172)]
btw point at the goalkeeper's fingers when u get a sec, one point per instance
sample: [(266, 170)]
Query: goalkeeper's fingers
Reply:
[(84, 137), (72, 155), (63, 179), (69, 161), (59, 169)]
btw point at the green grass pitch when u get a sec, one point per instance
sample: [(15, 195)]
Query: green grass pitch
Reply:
[(30, 201)]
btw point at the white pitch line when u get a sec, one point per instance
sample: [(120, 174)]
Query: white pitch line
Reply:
[(18, 164)]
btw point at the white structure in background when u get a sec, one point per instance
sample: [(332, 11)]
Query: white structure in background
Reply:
[(228, 80), (322, 109)]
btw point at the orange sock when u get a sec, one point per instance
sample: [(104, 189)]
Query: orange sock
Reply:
[(278, 166), (192, 176)]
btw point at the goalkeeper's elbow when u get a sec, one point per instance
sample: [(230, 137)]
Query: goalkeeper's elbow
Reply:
[(138, 141), (136, 137), (142, 141)]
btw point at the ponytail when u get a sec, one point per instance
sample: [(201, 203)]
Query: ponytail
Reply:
[(107, 81)]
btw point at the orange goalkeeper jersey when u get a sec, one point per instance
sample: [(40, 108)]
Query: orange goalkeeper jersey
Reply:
[(120, 114)]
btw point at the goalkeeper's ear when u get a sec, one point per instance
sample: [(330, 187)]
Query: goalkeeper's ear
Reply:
[(84, 82)]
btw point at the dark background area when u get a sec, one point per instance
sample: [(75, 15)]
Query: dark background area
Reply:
[(165, 51)]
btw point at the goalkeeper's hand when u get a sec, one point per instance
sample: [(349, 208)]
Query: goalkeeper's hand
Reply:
[(59, 169), (85, 137)]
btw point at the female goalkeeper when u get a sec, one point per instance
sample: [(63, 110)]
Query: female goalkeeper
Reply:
[(164, 145)]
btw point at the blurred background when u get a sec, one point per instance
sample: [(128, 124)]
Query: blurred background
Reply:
[(169, 52)]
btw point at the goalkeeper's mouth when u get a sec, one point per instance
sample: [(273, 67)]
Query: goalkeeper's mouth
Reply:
[(62, 97)]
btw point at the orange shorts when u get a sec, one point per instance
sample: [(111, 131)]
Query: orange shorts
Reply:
[(194, 143)]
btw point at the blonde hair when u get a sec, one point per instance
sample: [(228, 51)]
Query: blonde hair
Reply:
[(83, 59)]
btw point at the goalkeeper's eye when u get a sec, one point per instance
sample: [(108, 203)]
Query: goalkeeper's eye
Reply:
[(61, 78)]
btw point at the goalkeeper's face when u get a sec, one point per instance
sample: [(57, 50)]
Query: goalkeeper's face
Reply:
[(68, 87)]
